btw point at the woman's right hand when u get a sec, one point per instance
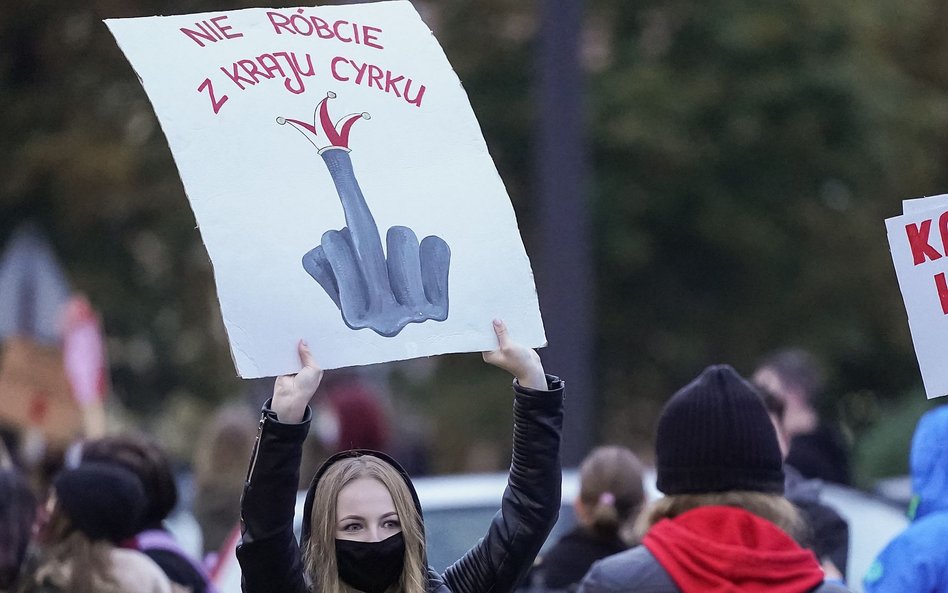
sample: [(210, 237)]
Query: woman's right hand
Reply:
[(292, 393), (520, 361)]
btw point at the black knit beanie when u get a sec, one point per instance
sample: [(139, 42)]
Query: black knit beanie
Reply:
[(102, 500), (714, 435)]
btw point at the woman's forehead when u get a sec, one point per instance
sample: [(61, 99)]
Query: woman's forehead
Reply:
[(364, 497)]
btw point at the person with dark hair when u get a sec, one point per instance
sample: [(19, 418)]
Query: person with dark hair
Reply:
[(90, 509), (146, 459), (17, 512), (818, 448), (611, 496), (723, 524), (362, 522), (828, 532)]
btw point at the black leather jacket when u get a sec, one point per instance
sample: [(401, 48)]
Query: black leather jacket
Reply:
[(269, 555)]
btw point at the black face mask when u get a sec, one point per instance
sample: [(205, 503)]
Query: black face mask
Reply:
[(371, 567)]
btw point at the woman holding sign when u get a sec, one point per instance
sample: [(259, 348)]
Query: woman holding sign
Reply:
[(362, 522)]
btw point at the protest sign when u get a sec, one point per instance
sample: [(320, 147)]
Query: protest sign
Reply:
[(34, 390), (918, 241), (309, 138), (927, 203)]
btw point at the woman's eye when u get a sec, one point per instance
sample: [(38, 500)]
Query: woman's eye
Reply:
[(391, 524), (351, 527)]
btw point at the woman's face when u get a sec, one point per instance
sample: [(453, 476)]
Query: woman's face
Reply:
[(365, 512)]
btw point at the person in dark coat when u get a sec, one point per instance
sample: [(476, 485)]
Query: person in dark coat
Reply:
[(828, 533), (818, 448), (723, 524), (611, 496), (362, 522)]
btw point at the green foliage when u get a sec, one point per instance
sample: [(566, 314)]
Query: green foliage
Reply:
[(883, 450), (746, 155)]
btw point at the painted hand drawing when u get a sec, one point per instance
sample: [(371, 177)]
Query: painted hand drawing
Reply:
[(371, 290)]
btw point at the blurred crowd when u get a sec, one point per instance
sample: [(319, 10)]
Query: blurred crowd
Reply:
[(92, 513)]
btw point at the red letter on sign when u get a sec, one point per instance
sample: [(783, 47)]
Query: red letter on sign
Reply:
[(942, 288), (918, 241)]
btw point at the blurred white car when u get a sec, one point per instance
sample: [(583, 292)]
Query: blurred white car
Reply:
[(458, 510)]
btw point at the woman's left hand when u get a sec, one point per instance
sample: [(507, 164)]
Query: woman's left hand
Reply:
[(518, 360)]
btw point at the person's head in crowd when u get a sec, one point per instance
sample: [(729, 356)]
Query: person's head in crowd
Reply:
[(796, 377), (17, 512), (99, 501), (776, 409), (148, 461), (716, 446), (610, 492), (346, 486), (352, 415), (818, 446), (90, 509)]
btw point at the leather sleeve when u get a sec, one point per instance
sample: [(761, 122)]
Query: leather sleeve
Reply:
[(531, 502), (268, 554)]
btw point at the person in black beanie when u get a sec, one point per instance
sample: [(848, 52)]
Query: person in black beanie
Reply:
[(101, 501), (723, 524), (90, 508), (144, 457)]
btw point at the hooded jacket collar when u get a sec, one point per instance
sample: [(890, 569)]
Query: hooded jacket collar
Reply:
[(310, 494), (718, 549), (929, 462)]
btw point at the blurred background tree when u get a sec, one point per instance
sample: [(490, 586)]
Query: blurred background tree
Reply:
[(744, 157)]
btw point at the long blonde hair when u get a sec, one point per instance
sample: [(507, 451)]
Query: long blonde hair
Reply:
[(772, 507), (319, 555)]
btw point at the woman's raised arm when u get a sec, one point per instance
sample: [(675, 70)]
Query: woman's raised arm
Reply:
[(269, 555)]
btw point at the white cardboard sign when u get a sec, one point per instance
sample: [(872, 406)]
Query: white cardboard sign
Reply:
[(918, 241), (340, 181)]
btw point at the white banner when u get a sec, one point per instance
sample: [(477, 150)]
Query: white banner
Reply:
[(340, 181), (919, 243)]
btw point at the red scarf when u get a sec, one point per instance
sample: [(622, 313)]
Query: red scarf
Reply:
[(719, 549)]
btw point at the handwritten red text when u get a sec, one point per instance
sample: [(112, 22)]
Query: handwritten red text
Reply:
[(370, 75), (211, 30), (340, 30), (918, 236), (286, 65)]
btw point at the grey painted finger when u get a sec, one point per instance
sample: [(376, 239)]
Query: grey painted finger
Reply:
[(404, 267), (353, 292), (435, 263), (317, 265)]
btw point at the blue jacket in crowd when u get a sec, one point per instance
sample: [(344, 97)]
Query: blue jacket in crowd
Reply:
[(916, 561)]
